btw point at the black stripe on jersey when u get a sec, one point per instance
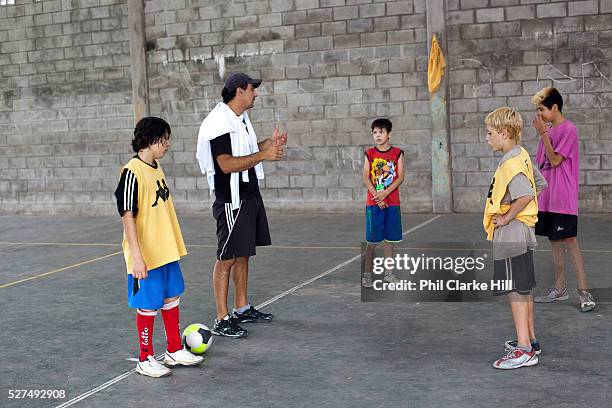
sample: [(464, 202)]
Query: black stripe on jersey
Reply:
[(127, 193)]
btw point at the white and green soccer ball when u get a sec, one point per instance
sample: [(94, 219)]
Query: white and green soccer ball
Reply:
[(197, 338)]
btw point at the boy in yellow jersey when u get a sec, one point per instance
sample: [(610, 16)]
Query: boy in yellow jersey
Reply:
[(152, 246), (509, 218)]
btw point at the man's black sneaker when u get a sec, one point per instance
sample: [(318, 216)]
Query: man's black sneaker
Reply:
[(252, 315), (228, 327)]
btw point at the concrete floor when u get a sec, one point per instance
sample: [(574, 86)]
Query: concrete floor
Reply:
[(70, 329)]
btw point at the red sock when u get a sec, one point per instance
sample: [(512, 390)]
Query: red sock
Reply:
[(144, 323), (170, 314)]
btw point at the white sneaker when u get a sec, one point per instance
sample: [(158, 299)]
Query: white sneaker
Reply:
[(587, 303), (552, 295), (390, 278), (516, 358), (182, 357), (366, 280), (152, 368)]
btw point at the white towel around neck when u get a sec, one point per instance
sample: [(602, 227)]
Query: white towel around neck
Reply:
[(222, 120)]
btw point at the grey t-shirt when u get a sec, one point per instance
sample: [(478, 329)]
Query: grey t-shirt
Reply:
[(515, 238)]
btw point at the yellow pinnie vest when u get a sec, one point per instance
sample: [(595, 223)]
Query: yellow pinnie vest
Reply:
[(503, 175), (157, 228)]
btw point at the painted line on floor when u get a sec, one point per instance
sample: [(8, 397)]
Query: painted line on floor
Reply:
[(275, 298), (59, 244), (10, 244), (60, 270)]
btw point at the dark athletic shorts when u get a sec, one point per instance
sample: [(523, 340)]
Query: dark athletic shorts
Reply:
[(518, 271), (240, 231), (556, 226)]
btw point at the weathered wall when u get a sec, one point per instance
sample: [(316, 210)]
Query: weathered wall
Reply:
[(328, 70), (65, 104), (503, 51), (329, 67)]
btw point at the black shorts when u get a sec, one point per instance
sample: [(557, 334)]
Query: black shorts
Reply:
[(240, 231), (518, 271), (556, 226)]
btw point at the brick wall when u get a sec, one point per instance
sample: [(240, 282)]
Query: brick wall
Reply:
[(503, 51), (65, 104), (329, 67)]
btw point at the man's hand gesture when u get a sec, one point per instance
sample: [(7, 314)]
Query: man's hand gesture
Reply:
[(278, 138), (273, 152)]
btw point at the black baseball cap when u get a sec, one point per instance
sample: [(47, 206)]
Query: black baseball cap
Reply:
[(241, 80)]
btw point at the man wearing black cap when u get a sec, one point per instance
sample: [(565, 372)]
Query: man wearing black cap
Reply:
[(230, 156)]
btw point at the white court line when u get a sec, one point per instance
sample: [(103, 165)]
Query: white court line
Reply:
[(267, 302)]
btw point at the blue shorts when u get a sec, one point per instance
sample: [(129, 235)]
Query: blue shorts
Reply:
[(383, 225), (161, 283)]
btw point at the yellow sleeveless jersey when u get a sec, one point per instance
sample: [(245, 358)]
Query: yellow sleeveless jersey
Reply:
[(503, 175), (157, 228)]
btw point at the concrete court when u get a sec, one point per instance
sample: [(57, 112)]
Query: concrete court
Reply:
[(72, 330)]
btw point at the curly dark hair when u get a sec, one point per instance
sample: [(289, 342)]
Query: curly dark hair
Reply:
[(149, 131), (382, 123), (228, 96)]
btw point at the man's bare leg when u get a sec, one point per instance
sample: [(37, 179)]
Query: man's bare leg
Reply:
[(221, 273), (240, 277)]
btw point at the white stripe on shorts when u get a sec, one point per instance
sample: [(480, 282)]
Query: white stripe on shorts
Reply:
[(228, 206), (228, 216)]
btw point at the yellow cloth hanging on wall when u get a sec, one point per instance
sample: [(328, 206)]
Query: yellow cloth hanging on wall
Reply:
[(437, 63)]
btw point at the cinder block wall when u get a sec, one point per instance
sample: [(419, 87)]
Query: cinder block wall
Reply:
[(329, 67), (65, 104), (503, 51)]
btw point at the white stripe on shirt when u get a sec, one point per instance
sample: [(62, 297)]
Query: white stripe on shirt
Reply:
[(128, 191)]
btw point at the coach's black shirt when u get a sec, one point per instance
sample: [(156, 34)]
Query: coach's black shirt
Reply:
[(223, 145)]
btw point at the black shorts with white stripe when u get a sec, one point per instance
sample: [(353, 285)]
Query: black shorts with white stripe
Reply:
[(518, 271), (240, 231)]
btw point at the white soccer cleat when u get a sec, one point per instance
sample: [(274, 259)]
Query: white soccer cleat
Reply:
[(152, 368), (182, 357)]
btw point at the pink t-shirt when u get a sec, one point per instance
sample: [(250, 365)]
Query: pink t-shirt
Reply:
[(561, 196)]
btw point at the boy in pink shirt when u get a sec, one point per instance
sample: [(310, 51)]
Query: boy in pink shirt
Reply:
[(558, 158)]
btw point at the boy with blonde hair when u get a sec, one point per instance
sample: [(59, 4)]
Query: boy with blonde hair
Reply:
[(509, 218), (558, 158)]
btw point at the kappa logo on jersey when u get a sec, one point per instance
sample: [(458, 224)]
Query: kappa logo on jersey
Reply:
[(162, 192)]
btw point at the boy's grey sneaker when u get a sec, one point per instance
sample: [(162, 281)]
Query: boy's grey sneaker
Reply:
[(390, 278), (366, 280), (552, 295), (513, 345), (516, 359), (587, 303)]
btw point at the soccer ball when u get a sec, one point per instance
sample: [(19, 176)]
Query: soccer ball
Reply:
[(197, 338)]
